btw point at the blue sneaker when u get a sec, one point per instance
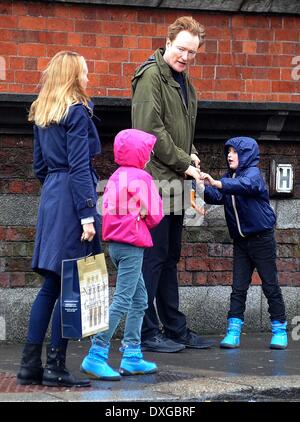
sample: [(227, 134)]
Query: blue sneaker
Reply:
[(133, 363), (95, 364), (279, 339), (232, 338)]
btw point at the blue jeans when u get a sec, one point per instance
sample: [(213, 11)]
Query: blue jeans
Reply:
[(256, 251), (130, 295), (46, 303)]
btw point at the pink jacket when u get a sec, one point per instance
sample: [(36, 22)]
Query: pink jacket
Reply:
[(131, 191)]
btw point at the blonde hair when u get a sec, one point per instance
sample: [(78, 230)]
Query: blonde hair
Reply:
[(61, 87), (186, 23)]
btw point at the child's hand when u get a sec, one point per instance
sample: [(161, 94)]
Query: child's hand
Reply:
[(208, 180), (143, 213)]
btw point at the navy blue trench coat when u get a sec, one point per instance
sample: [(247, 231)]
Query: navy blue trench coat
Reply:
[(62, 162)]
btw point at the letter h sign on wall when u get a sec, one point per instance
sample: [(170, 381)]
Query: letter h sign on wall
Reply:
[(281, 179)]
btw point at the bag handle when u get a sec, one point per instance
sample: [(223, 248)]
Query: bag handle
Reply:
[(85, 246)]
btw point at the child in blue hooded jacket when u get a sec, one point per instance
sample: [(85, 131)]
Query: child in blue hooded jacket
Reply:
[(250, 220)]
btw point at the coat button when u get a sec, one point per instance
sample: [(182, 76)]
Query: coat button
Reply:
[(90, 203)]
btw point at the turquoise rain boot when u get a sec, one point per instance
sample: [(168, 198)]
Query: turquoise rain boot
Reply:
[(133, 363), (232, 338), (95, 364), (279, 339)]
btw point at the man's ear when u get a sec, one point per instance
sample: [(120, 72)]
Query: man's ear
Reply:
[(168, 43)]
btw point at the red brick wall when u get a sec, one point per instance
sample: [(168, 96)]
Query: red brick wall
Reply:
[(209, 264), (245, 57)]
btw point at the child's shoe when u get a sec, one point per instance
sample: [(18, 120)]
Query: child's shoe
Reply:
[(95, 364), (279, 339), (232, 338), (133, 363)]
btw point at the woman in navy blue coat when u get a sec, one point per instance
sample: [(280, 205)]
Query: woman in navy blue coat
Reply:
[(65, 141)]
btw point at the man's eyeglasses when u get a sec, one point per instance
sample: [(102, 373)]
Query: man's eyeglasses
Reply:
[(183, 50)]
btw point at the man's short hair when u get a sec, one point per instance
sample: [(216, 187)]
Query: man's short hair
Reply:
[(186, 23)]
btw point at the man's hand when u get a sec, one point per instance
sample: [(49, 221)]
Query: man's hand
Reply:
[(193, 172), (196, 160), (88, 232)]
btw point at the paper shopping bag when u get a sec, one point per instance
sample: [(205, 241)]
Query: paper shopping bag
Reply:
[(84, 296)]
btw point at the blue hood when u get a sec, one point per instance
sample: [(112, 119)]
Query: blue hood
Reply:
[(247, 150)]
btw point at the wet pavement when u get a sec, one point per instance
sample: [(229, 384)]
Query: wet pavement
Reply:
[(253, 373)]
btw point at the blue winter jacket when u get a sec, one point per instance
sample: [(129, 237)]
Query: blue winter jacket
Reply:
[(244, 193)]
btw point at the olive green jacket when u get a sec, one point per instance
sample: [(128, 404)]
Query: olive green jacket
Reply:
[(158, 107)]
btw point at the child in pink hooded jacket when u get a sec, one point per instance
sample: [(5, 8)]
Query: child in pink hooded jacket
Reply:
[(131, 206)]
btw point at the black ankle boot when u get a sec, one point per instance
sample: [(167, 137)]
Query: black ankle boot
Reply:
[(57, 375), (31, 370)]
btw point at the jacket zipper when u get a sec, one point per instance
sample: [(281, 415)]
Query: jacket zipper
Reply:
[(183, 101), (186, 107), (235, 212)]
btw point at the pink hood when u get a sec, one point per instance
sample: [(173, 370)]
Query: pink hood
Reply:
[(131, 191), (132, 148)]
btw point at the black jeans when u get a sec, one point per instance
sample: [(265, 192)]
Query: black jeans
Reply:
[(160, 275), (256, 251)]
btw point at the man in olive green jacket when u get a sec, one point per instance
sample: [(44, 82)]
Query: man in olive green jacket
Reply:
[(159, 107), (164, 103)]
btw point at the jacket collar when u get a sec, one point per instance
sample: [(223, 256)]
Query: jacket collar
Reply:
[(164, 69)]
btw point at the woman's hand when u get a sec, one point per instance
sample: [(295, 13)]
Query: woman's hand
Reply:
[(88, 232)]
